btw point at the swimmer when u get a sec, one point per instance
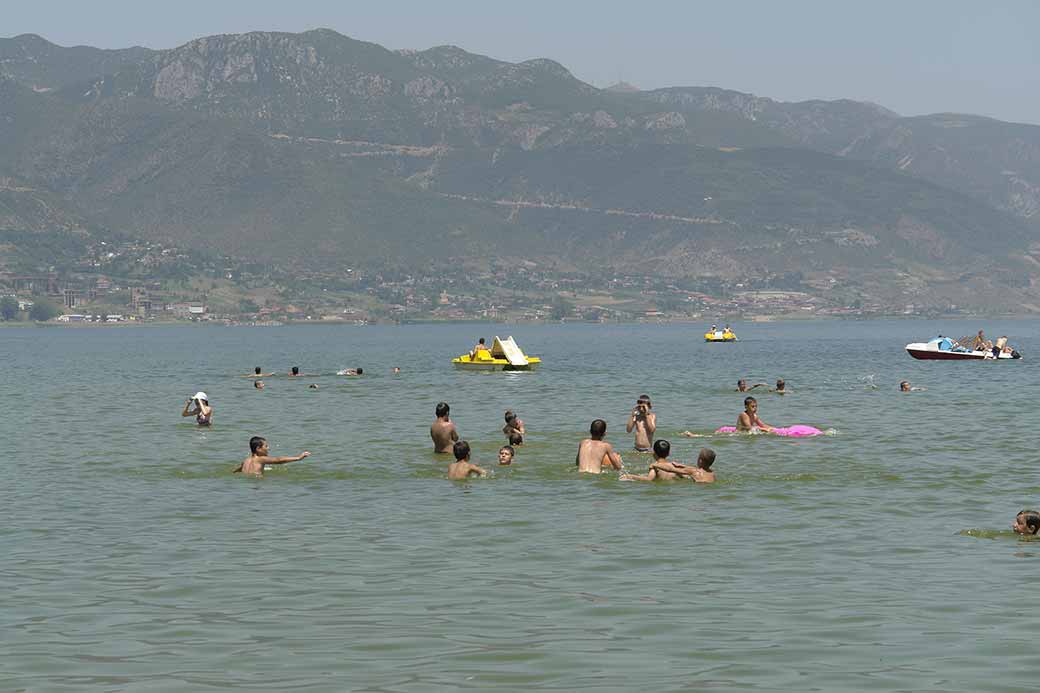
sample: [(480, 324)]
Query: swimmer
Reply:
[(594, 452), (904, 386), (1026, 522), (313, 386), (660, 469), (396, 370), (258, 374), (644, 422), (198, 406), (748, 420), (254, 464), (258, 384), (513, 425), (781, 387), (295, 372), (351, 371), (742, 386), (462, 468), (515, 439), (442, 431), (506, 453), (702, 473)]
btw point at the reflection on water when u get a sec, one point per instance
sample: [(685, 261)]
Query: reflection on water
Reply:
[(134, 559)]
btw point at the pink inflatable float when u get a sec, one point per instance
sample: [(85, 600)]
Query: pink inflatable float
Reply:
[(796, 431)]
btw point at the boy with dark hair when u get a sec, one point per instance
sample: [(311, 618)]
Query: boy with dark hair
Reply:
[(462, 468), (1026, 522), (644, 422), (594, 452), (513, 425), (442, 431), (258, 457), (748, 420), (506, 453), (516, 439)]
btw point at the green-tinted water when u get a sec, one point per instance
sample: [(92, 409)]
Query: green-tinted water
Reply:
[(872, 559)]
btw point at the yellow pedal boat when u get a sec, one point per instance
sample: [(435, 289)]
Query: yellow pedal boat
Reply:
[(720, 336), (504, 355)]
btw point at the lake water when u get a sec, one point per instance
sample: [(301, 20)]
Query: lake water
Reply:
[(876, 558)]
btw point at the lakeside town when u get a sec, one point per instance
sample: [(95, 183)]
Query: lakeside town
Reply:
[(127, 281)]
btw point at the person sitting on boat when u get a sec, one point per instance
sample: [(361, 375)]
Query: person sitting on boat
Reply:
[(979, 343), (480, 346), (999, 345)]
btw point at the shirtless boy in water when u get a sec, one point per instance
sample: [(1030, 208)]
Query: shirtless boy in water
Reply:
[(594, 452), (664, 469), (254, 464), (644, 422), (748, 420), (443, 430), (1026, 522), (461, 468)]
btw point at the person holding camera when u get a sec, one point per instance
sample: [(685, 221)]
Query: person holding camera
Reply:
[(198, 406), (644, 423)]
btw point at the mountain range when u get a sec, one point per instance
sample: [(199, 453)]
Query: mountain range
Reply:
[(315, 150)]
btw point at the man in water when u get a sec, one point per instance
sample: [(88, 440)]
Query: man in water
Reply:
[(748, 420), (781, 387), (258, 457), (506, 453), (351, 371), (258, 374), (258, 384), (1026, 522), (443, 430), (663, 469), (644, 422), (742, 386), (594, 452), (904, 386), (461, 468)]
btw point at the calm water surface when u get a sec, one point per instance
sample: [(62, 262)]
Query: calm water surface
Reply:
[(875, 558)]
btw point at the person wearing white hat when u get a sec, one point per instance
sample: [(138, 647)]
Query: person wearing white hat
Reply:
[(198, 406)]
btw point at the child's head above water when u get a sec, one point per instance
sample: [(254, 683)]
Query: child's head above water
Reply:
[(598, 428), (748, 401), (510, 416), (706, 458), (461, 450), (255, 443), (1026, 522), (515, 438), (662, 448), (506, 454), (779, 383)]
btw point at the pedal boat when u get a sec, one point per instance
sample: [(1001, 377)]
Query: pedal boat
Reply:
[(720, 336), (504, 355), (946, 349)]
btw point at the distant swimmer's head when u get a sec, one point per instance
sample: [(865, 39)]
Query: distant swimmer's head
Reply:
[(313, 386), (780, 383), (258, 384), (442, 410), (904, 385), (750, 404), (257, 370), (258, 445), (396, 369), (460, 450), (706, 458), (1026, 522), (662, 448), (506, 453), (359, 371), (516, 439), (598, 429), (742, 385), (480, 341), (510, 416), (295, 370)]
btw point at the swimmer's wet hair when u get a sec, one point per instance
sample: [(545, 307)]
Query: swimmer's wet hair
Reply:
[(516, 439), (510, 448), (749, 400), (460, 450), (295, 370), (255, 442), (662, 448), (510, 415), (598, 429), (707, 456), (1031, 519), (442, 409), (257, 370), (360, 370)]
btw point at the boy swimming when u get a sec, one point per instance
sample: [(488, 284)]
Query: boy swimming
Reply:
[(254, 464), (1026, 522), (442, 431), (594, 452), (506, 453), (462, 468)]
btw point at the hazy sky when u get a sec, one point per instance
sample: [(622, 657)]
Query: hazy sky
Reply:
[(913, 56)]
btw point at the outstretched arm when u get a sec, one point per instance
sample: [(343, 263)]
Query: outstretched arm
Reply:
[(284, 460), (665, 466), (479, 470)]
